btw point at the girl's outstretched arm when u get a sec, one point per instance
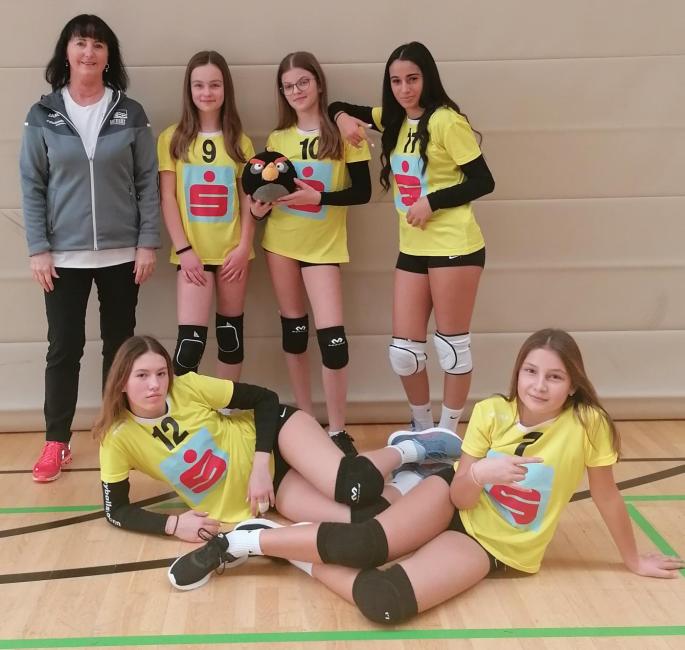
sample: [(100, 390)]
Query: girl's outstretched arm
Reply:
[(607, 498)]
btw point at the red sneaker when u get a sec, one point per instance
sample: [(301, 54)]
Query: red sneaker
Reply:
[(53, 457)]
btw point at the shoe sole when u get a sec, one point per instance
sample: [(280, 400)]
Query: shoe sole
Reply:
[(52, 478), (399, 435), (229, 565), (257, 524)]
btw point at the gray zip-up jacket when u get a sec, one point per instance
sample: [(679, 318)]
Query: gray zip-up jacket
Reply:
[(74, 203)]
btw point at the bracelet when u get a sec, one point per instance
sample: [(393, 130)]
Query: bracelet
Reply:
[(180, 251), (473, 476), (337, 115), (173, 532)]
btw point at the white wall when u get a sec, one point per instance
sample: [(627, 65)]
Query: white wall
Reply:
[(582, 108)]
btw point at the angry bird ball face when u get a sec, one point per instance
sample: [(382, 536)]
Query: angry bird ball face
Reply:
[(268, 176)]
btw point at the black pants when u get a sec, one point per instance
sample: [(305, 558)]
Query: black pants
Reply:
[(65, 307)]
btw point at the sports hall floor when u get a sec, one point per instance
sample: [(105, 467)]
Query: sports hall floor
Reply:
[(69, 580)]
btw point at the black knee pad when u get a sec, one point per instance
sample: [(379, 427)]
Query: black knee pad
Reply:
[(229, 338), (385, 596), (333, 345), (360, 546), (446, 474), (359, 514), (190, 345), (295, 334), (358, 482)]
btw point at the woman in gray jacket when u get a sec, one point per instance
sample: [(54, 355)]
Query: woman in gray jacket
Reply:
[(91, 208)]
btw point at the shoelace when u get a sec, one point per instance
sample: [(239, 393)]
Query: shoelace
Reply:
[(214, 547), (51, 450)]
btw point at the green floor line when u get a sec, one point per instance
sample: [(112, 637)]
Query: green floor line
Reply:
[(84, 508), (343, 635), (651, 532), (655, 497)]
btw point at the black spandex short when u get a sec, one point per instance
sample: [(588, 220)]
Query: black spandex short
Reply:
[(421, 263), (212, 268), (281, 467), (457, 524), (304, 265)]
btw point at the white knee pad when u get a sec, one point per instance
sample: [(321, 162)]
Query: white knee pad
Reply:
[(454, 353), (407, 357)]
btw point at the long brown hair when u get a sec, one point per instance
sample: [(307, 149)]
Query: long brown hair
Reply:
[(584, 399), (189, 124), (330, 141), (114, 400)]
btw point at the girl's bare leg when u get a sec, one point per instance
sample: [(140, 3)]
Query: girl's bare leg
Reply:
[(230, 301), (324, 289), (453, 291), (411, 309), (286, 278)]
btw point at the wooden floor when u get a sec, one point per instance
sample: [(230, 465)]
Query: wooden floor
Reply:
[(68, 579)]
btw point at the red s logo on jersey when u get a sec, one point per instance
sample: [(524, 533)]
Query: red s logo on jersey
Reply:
[(522, 503)]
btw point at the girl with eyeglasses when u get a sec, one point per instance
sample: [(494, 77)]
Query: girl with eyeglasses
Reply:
[(433, 161), (305, 237)]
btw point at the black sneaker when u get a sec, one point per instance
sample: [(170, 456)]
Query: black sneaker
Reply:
[(345, 442), (194, 569)]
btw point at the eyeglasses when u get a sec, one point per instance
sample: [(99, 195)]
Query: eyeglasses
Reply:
[(302, 84)]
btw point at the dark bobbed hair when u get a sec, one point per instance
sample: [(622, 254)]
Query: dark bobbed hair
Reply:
[(433, 96), (330, 141), (114, 399), (189, 125), (87, 26), (584, 399)]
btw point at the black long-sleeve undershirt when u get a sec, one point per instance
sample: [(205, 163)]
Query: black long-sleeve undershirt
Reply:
[(121, 513), (363, 113), (359, 190), (478, 178), (264, 403)]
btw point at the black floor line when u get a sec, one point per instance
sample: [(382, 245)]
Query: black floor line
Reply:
[(639, 480), (49, 525), (157, 564), (64, 469), (60, 574)]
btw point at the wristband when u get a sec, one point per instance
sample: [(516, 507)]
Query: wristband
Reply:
[(337, 115), (473, 477), (180, 251)]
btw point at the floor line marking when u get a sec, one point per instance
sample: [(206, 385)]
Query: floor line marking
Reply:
[(343, 635), (651, 533)]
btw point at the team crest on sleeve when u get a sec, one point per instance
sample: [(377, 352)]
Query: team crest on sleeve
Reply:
[(523, 506), (317, 174), (410, 179), (194, 469), (208, 193)]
